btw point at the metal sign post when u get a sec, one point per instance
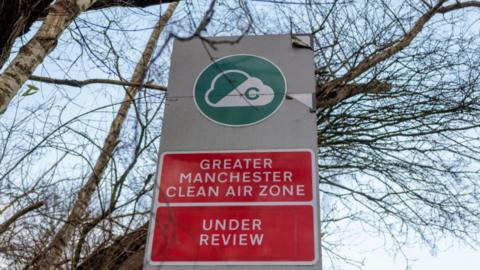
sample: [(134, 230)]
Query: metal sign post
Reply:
[(236, 184)]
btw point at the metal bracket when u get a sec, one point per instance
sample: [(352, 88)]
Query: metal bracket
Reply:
[(306, 99), (302, 41)]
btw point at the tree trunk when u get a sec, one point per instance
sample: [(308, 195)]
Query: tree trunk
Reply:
[(126, 252), (48, 258), (60, 15), (16, 17)]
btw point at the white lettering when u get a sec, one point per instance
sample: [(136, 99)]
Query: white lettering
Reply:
[(184, 177), (281, 190), (256, 239), (236, 177), (172, 193), (231, 239), (237, 163), (193, 191), (204, 164), (203, 239)]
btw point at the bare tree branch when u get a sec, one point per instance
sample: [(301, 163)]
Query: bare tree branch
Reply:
[(458, 5), (118, 253), (4, 226), (81, 83), (60, 15), (328, 90), (16, 17), (48, 257), (346, 91), (128, 3)]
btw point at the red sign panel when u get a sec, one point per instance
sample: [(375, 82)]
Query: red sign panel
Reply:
[(234, 233), (235, 208), (236, 177)]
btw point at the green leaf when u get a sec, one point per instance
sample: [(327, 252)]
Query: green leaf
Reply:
[(31, 89)]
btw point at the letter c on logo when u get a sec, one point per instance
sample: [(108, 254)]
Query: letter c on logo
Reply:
[(251, 96)]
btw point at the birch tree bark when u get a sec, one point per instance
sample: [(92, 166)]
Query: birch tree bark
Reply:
[(48, 258), (59, 16), (16, 17)]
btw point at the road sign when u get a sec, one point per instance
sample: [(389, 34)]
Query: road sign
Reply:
[(235, 207), (236, 184), (245, 176), (234, 235), (239, 90)]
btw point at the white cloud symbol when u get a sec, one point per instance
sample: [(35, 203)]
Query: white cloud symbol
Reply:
[(252, 92)]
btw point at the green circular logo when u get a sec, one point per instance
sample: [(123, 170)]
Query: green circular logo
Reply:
[(239, 90)]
